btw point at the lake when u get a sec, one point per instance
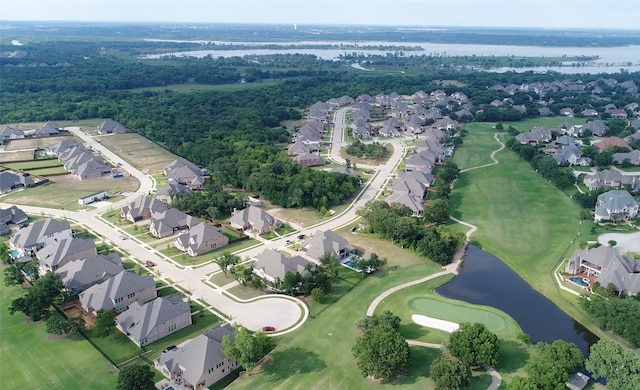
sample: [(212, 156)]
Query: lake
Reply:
[(485, 280), (611, 59)]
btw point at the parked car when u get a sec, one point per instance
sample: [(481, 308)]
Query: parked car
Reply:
[(169, 349), (301, 236), (268, 329), (123, 237), (150, 263), (287, 242)]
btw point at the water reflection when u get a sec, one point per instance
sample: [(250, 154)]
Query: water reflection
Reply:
[(485, 280)]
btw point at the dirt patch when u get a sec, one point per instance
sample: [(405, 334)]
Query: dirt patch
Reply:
[(138, 151), (33, 143), (73, 310)]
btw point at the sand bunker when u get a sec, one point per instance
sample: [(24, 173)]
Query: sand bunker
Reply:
[(435, 323)]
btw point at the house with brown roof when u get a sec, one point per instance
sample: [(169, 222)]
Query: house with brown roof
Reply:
[(608, 142)]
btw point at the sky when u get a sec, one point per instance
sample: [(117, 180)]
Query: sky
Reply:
[(606, 14)]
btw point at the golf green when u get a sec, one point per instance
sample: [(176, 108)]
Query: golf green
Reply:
[(455, 313)]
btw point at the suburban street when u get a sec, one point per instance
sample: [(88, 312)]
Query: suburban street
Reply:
[(280, 311)]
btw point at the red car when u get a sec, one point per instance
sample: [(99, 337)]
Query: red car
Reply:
[(150, 263), (268, 329)]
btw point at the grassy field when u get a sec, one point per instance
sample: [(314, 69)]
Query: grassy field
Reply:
[(33, 359), (63, 192), (194, 87), (521, 218), (34, 164), (138, 151)]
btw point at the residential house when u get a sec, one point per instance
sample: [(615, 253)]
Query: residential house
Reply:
[(201, 238), (10, 181), (390, 128), (258, 220), (142, 208), (611, 178), (111, 127), (10, 218), (59, 253), (79, 161), (615, 204), (633, 157), (414, 203), (571, 155), (567, 111), (327, 242), (536, 136), (199, 363), (39, 234), (345, 171), (413, 124), (299, 147), (609, 142), (47, 130), (171, 190), (410, 185), (598, 128), (272, 266), (144, 323), (545, 111), (79, 275), (118, 292), (418, 162), (309, 160), (422, 176), (464, 114), (607, 265), (185, 172), (165, 223), (9, 133), (445, 123), (589, 113)]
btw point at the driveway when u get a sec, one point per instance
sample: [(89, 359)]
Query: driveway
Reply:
[(629, 242)]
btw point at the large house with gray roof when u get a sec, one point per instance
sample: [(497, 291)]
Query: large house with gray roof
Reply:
[(254, 219), (111, 127), (615, 204), (166, 223), (10, 218), (328, 243), (185, 172), (39, 234), (200, 362), (607, 265), (10, 181), (79, 161), (79, 275), (118, 292), (611, 178), (148, 322), (633, 157), (273, 266), (142, 208), (47, 130), (200, 239), (59, 253), (171, 190), (9, 133)]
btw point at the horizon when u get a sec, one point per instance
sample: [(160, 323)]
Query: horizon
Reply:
[(537, 14)]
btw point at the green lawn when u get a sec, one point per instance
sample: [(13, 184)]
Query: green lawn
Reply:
[(33, 359), (34, 164), (523, 219), (318, 355)]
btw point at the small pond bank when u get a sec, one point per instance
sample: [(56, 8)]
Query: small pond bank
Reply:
[(484, 279)]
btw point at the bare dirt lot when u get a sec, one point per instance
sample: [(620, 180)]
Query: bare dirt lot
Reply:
[(33, 143), (145, 155)]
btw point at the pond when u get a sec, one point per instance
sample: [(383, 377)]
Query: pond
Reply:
[(485, 280)]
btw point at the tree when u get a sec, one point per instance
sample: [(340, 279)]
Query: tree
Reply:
[(227, 261), (369, 323), (35, 304), (521, 383), (318, 294), (4, 252), (330, 264), (381, 353), (551, 364), (105, 323), (474, 344), (13, 276), (247, 347), (450, 374), (619, 366), (135, 377), (57, 325), (438, 211)]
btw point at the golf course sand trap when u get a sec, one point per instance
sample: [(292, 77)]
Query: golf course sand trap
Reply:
[(435, 323)]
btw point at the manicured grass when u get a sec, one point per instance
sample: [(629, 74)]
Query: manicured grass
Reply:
[(30, 358), (117, 346), (521, 218), (34, 164), (194, 87), (318, 355), (477, 146)]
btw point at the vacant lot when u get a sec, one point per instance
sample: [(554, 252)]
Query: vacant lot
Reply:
[(20, 155), (33, 143), (138, 151), (32, 359), (64, 191)]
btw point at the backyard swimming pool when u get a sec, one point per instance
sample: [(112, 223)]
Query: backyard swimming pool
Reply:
[(15, 253), (351, 265), (582, 282)]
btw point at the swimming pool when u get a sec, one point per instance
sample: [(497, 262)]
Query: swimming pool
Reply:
[(351, 264), (582, 282), (15, 253)]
